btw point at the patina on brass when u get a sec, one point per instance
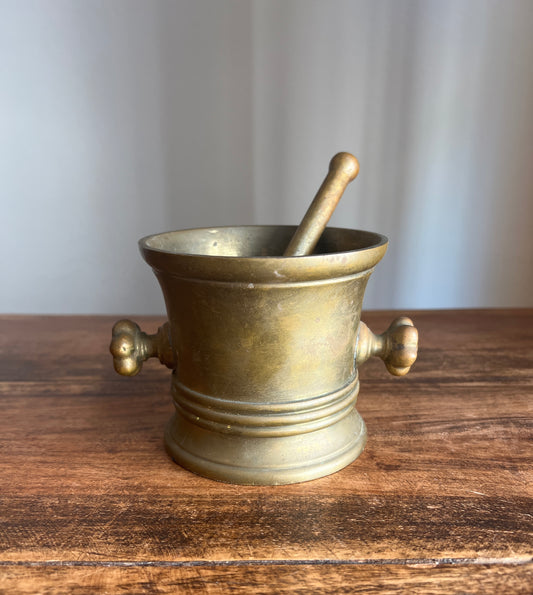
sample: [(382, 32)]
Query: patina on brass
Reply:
[(264, 348)]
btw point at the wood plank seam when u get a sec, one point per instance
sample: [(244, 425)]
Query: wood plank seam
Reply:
[(267, 562)]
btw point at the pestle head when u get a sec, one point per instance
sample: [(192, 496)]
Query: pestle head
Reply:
[(345, 164)]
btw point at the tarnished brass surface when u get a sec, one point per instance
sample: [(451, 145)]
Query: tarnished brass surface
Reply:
[(343, 168), (266, 379)]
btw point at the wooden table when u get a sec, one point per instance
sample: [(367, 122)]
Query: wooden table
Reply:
[(440, 501)]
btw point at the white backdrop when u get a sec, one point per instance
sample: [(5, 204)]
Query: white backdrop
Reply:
[(121, 118)]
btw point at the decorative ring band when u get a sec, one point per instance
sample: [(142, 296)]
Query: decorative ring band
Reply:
[(264, 419)]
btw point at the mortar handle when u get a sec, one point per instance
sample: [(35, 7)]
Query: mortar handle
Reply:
[(130, 347), (397, 346)]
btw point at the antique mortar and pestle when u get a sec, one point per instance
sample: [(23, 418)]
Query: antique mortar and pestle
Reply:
[(264, 339)]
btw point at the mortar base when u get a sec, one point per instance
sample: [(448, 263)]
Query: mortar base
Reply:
[(284, 460)]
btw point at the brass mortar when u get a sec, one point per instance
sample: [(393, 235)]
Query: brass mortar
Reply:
[(264, 349)]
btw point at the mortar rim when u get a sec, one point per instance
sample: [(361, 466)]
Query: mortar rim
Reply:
[(268, 268)]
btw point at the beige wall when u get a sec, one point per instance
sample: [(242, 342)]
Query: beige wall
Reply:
[(123, 118)]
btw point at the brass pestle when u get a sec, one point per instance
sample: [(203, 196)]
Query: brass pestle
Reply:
[(343, 168)]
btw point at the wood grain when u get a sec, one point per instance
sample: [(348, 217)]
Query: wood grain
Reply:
[(478, 579), (446, 477)]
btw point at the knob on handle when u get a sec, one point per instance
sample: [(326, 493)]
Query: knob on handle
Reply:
[(397, 346), (130, 347)]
